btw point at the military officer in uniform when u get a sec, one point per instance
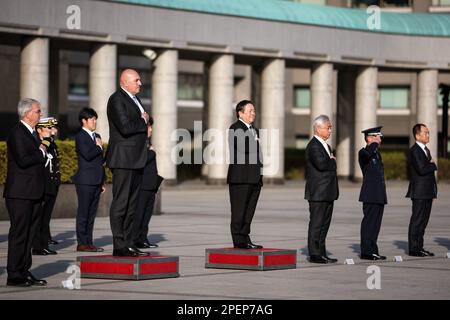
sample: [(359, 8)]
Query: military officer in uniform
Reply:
[(373, 193), (46, 129)]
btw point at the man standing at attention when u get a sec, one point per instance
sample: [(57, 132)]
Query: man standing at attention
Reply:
[(126, 157), (373, 193), (24, 192), (422, 189), (244, 174), (321, 189)]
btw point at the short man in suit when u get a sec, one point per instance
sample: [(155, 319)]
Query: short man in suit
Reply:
[(89, 179), (24, 191), (321, 189), (149, 187), (42, 237), (373, 193), (422, 189), (244, 174), (126, 157)]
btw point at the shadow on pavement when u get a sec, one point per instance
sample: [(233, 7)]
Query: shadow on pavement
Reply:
[(52, 268), (445, 242), (403, 245)]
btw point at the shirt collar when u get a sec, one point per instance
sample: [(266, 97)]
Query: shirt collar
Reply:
[(88, 131), (248, 125), (27, 126), (421, 145), (131, 96), (321, 140)]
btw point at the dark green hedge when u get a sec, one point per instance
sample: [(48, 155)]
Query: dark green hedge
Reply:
[(394, 164)]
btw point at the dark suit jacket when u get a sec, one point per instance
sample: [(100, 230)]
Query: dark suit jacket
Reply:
[(26, 176), (90, 161), (321, 178), (127, 148), (422, 182), (373, 189), (245, 157), (150, 178)]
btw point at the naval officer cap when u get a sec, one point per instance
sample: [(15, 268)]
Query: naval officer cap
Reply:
[(47, 122), (376, 131)]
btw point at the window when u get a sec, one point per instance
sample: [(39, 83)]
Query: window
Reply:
[(302, 97), (382, 3), (441, 3), (393, 97), (190, 86), (78, 80)]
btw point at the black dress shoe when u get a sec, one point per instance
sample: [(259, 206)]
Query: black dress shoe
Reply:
[(36, 282), (18, 282), (429, 253), (51, 241), (418, 254), (138, 252), (254, 246), (50, 251), (39, 252), (146, 245), (372, 256), (318, 259), (330, 260), (241, 246), (124, 252)]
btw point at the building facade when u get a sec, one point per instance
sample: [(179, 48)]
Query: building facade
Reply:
[(198, 58)]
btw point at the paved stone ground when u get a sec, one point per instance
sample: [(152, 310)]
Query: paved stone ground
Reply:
[(197, 217)]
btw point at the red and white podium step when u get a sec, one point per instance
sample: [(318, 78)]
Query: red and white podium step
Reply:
[(128, 268), (251, 259)]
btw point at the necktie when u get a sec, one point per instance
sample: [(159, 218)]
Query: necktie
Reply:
[(138, 104), (428, 153), (36, 137), (329, 149), (93, 136)]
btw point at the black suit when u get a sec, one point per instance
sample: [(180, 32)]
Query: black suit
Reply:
[(52, 182), (321, 190), (244, 179), (146, 200), (126, 157), (373, 196), (422, 190), (24, 190), (88, 182)]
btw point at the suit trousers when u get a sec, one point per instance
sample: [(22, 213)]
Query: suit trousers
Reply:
[(421, 210), (370, 227), (320, 213), (42, 234), (243, 200), (143, 215), (88, 198), (126, 187), (23, 215)]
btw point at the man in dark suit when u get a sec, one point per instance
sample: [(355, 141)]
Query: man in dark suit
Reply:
[(422, 189), (126, 157), (373, 193), (89, 179), (42, 237), (146, 200), (321, 189), (244, 174), (24, 191)]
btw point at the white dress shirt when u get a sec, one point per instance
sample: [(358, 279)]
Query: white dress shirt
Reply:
[(135, 100), (324, 143), (422, 146), (32, 131), (90, 133)]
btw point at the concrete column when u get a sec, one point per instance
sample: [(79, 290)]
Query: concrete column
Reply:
[(221, 78), (164, 112), (322, 94), (34, 71), (427, 106), (102, 83), (365, 110), (272, 119), (345, 123)]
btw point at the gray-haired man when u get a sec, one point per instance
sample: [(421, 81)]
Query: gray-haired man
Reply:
[(321, 189)]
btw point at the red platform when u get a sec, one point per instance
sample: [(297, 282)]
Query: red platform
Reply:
[(251, 259), (128, 268)]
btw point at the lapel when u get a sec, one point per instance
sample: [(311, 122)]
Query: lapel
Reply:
[(422, 153), (321, 145), (27, 133), (87, 136), (132, 105)]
